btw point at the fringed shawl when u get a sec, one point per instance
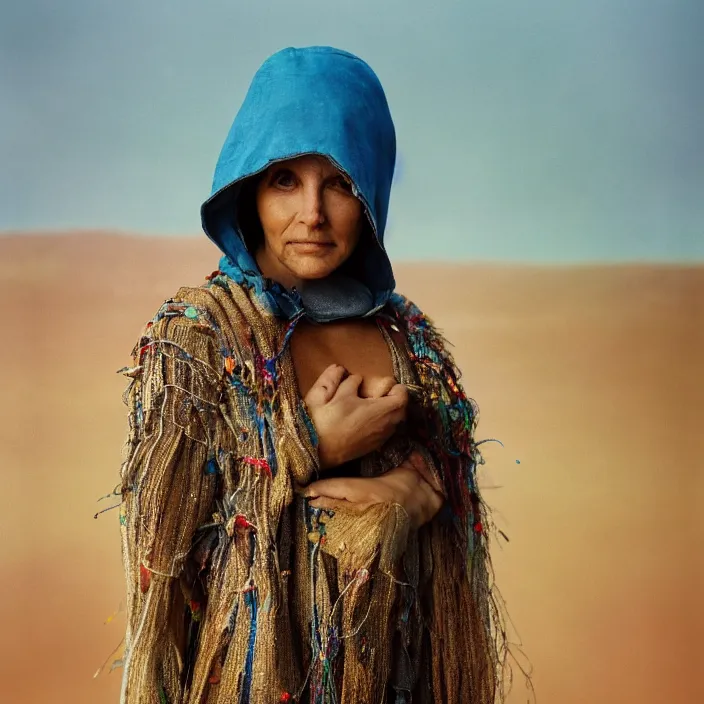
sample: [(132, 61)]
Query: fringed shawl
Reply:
[(238, 591)]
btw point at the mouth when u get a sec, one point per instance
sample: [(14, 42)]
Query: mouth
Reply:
[(311, 246)]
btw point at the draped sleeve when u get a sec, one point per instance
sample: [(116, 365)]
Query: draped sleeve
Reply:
[(463, 611), (168, 484)]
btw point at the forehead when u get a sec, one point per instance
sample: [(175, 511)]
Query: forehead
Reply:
[(308, 162)]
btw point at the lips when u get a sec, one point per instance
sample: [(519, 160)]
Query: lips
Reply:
[(311, 247)]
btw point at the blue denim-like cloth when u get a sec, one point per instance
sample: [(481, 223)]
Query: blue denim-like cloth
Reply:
[(313, 100)]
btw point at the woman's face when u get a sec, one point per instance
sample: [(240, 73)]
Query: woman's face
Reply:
[(311, 220)]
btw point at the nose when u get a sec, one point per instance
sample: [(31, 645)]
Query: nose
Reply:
[(312, 213)]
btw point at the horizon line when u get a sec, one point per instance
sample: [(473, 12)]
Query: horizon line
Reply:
[(85, 232)]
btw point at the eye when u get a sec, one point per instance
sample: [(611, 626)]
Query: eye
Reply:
[(284, 178), (343, 183)]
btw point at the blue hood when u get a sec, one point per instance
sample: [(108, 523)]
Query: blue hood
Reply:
[(315, 100)]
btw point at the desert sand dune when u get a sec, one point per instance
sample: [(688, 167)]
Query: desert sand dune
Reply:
[(592, 378)]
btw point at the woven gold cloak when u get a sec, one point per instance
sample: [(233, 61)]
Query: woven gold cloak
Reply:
[(238, 591)]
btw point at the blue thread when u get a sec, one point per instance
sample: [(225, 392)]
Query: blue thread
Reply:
[(309, 425), (270, 366), (269, 449), (250, 599)]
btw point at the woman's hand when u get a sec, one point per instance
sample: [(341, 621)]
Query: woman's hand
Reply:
[(410, 485), (347, 425)]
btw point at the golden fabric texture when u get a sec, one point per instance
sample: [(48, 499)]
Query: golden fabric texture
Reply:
[(238, 590)]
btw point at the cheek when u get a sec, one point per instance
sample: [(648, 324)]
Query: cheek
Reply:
[(275, 212), (346, 216)]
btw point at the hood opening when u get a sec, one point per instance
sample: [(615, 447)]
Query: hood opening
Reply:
[(314, 100), (236, 206)]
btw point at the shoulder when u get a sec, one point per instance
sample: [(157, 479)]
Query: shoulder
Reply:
[(191, 323), (426, 341), (210, 322), (411, 317), (400, 304)]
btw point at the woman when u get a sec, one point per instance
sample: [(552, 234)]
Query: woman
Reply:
[(300, 516)]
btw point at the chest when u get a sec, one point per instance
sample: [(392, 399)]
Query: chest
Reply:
[(357, 345)]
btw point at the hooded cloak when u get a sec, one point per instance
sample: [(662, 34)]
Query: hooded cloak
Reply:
[(237, 589)]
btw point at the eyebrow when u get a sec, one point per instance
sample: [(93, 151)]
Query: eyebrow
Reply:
[(275, 170)]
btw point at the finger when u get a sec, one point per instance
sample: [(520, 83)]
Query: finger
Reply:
[(400, 390), (353, 489), (431, 505), (393, 405), (418, 462), (380, 387), (397, 400), (326, 385), (334, 488), (339, 505), (326, 502), (351, 385)]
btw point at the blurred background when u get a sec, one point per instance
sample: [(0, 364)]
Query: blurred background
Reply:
[(547, 212)]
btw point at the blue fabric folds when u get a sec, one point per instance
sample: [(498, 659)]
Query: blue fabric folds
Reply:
[(314, 100)]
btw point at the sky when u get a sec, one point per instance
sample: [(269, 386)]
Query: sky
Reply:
[(528, 131)]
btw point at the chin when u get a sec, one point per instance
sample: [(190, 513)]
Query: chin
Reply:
[(313, 269)]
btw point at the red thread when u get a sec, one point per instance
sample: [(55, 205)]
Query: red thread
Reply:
[(257, 462), (143, 349), (145, 579), (261, 365), (242, 523), (215, 674)]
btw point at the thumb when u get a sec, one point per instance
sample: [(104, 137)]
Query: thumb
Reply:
[(397, 397), (325, 386), (394, 404)]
